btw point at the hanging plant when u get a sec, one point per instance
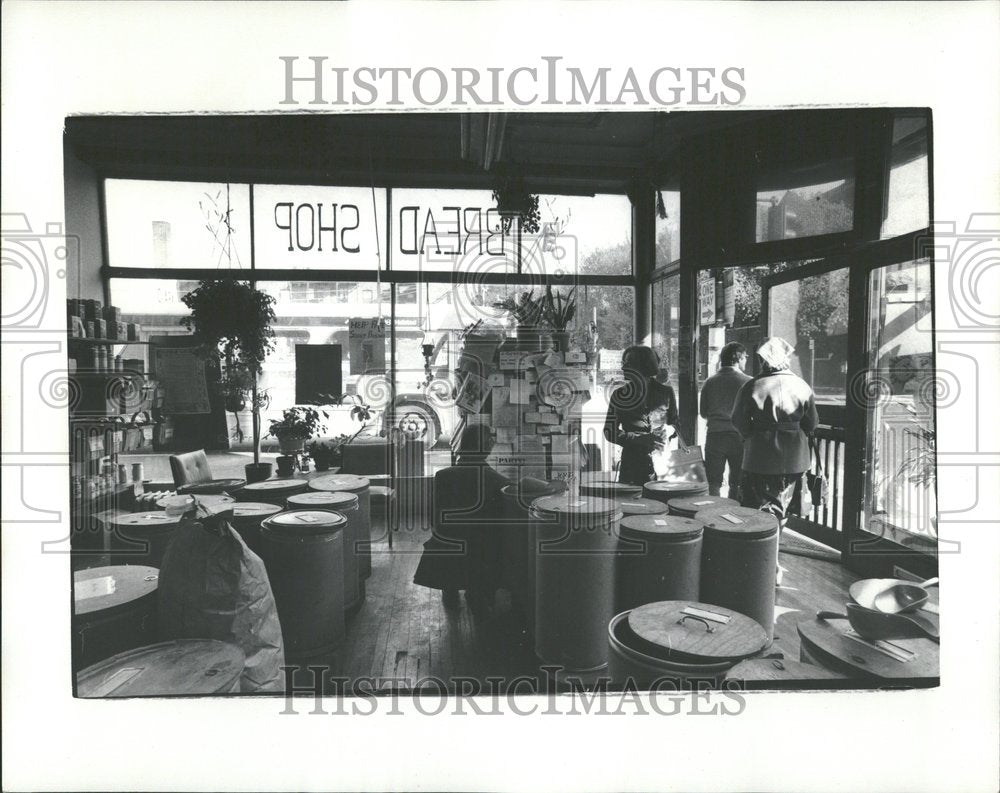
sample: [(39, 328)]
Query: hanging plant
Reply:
[(232, 321), (514, 202)]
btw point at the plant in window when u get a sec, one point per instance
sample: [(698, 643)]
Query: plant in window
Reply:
[(559, 311), (297, 425), (515, 202)]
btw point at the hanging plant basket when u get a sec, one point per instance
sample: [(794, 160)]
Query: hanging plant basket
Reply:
[(514, 202)]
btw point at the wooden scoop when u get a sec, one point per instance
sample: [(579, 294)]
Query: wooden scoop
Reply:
[(903, 597)]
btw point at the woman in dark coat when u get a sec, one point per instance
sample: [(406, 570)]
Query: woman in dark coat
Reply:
[(631, 408), (776, 415), (465, 547)]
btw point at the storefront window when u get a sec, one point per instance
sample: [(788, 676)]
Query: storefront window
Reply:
[(668, 227), (899, 395), (449, 231), (794, 203), (580, 235), (908, 203), (153, 224), (667, 326), (331, 228)]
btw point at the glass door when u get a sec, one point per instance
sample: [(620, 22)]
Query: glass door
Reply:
[(899, 501), (809, 307)]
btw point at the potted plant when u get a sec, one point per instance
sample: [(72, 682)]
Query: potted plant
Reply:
[(529, 315), (514, 202), (559, 311), (233, 324), (326, 454), (297, 425)]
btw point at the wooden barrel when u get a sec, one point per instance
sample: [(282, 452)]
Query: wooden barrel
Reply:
[(665, 491), (659, 558), (519, 544), (738, 561), (303, 552), (272, 491), (361, 487), (689, 506), (348, 505), (247, 517), (210, 501), (574, 579), (141, 538), (114, 610), (629, 667), (185, 667)]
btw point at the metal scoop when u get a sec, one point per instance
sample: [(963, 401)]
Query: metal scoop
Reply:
[(903, 597)]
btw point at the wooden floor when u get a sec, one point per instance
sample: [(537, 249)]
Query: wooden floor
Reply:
[(404, 637)]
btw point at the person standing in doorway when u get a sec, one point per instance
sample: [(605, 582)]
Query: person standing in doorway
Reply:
[(639, 413), (723, 444), (776, 414)]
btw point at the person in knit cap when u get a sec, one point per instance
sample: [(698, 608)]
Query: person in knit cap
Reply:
[(775, 412), (723, 444)]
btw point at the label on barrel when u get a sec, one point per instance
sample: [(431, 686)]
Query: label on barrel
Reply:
[(659, 522), (307, 518), (730, 518), (713, 616), (701, 503), (630, 504), (94, 588), (577, 503)]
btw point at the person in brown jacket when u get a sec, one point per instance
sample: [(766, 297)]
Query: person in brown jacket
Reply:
[(775, 412)]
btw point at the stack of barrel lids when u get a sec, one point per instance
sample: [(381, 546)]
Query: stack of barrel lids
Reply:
[(533, 402)]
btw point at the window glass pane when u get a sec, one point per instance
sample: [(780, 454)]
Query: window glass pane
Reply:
[(668, 226), (302, 227), (811, 313), (667, 326), (177, 224), (805, 203), (901, 429), (580, 234), (908, 201), (450, 231)]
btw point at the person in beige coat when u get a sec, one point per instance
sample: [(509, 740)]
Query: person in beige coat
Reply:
[(775, 412)]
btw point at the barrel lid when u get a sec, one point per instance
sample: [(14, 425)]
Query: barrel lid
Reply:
[(687, 631), (515, 491), (179, 500), (689, 505), (746, 522), (675, 489), (762, 670), (270, 485), (641, 506), (102, 588), (212, 487), (347, 483), (668, 527), (183, 667), (254, 509), (305, 521), (325, 498), (836, 643), (566, 504), (154, 519), (605, 489)]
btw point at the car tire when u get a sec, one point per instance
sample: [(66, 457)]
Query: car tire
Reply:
[(417, 421)]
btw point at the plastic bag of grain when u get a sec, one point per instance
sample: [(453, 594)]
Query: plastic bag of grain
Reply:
[(212, 586)]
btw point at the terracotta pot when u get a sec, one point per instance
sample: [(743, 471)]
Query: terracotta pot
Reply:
[(561, 340), (286, 464)]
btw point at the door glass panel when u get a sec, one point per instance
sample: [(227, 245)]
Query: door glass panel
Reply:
[(899, 395), (811, 314), (667, 326)]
